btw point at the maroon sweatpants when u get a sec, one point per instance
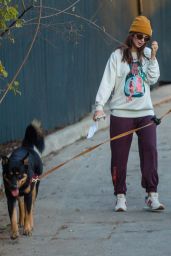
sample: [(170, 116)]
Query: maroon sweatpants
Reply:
[(120, 151)]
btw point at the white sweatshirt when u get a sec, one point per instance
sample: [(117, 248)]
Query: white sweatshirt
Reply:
[(113, 82)]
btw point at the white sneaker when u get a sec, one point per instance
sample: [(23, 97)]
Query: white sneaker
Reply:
[(121, 203), (152, 202)]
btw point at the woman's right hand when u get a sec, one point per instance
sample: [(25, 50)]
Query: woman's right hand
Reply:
[(98, 114), (154, 49)]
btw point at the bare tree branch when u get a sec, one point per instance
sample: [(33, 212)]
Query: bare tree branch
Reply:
[(23, 4), (60, 11), (92, 23)]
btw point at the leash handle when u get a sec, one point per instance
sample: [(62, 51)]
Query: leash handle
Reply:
[(156, 120)]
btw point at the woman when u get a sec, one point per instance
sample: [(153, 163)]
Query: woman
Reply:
[(129, 72)]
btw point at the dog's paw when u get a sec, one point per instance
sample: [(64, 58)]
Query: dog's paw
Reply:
[(14, 235), (27, 232)]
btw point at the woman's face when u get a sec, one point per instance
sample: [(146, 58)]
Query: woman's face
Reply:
[(140, 39)]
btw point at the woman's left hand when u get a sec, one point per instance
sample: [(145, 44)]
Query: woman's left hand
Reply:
[(154, 49)]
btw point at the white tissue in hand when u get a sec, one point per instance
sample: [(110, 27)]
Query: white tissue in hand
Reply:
[(92, 130)]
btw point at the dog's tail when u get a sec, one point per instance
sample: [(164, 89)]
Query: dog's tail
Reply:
[(34, 136)]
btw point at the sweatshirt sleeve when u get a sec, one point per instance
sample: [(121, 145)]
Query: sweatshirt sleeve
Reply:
[(153, 71), (107, 83)]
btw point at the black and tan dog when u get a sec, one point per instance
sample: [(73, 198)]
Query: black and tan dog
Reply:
[(20, 176)]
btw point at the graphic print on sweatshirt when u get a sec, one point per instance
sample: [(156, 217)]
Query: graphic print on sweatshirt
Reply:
[(134, 82)]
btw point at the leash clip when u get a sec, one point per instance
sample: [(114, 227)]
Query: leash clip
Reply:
[(35, 179)]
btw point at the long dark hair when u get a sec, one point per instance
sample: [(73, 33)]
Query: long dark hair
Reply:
[(126, 49)]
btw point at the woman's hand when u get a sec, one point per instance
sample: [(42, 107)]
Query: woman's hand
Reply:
[(98, 114), (154, 49)]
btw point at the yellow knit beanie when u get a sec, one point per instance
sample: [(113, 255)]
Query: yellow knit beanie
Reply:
[(142, 25)]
